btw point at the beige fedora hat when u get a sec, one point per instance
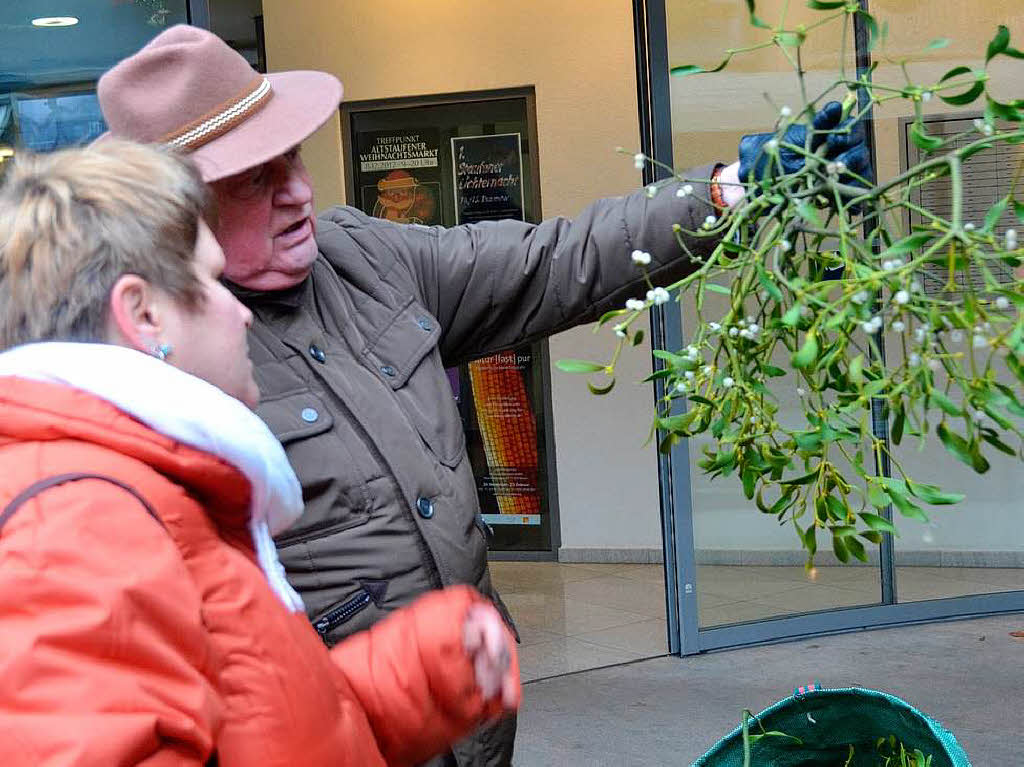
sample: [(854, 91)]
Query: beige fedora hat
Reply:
[(188, 89)]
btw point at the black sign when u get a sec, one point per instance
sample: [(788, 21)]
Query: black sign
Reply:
[(398, 174), (488, 177)]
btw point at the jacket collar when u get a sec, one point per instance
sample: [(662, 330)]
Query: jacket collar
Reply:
[(291, 298), (188, 410)]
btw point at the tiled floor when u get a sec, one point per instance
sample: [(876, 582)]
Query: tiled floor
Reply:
[(579, 616), (576, 617)]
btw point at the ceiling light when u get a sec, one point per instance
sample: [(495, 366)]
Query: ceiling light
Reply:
[(54, 21)]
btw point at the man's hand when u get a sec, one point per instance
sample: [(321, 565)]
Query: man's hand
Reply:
[(844, 143), (488, 644)]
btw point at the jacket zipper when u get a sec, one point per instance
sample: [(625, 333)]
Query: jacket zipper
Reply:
[(343, 612)]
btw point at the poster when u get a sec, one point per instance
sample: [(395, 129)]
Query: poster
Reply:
[(503, 438), (488, 173), (398, 174)]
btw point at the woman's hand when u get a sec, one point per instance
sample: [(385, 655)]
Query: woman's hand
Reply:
[(489, 646)]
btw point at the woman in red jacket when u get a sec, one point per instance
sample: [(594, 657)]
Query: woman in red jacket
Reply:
[(144, 617)]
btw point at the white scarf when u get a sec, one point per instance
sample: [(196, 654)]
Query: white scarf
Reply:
[(191, 411)]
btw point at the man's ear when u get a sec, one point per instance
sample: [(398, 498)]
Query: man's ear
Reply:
[(134, 316)]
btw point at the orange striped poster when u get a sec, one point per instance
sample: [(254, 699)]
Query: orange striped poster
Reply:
[(508, 430)]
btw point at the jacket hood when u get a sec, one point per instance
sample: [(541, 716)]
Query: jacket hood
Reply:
[(179, 424)]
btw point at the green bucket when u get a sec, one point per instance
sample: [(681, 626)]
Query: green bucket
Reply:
[(818, 727)]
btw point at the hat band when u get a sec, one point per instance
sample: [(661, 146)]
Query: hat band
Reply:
[(211, 126)]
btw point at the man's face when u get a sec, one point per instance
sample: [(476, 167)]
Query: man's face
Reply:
[(265, 224), (221, 357)]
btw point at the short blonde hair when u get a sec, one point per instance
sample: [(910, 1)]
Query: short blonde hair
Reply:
[(75, 221)]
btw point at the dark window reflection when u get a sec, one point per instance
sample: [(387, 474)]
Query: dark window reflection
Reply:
[(49, 122)]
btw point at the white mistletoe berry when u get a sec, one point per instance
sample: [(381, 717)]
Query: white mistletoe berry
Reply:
[(658, 296)]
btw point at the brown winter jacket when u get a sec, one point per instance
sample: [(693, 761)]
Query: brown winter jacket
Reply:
[(352, 363)]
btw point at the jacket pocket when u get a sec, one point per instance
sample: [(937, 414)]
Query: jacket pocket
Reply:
[(333, 489), (340, 614), (296, 415), (405, 356)]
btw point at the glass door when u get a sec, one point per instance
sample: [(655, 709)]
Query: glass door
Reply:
[(734, 577), (747, 568), (976, 547)]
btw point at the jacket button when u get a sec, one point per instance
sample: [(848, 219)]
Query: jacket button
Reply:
[(309, 414), (424, 324), (425, 507), (317, 353), (387, 370)]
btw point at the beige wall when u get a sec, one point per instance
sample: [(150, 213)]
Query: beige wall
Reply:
[(580, 61), (579, 57)]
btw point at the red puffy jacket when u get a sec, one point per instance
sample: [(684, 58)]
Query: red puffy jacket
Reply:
[(124, 641)]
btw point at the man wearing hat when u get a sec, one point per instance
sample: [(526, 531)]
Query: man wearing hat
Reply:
[(357, 318)]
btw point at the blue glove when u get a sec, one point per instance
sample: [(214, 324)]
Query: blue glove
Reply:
[(848, 148)]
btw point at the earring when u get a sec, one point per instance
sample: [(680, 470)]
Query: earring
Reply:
[(162, 352)]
